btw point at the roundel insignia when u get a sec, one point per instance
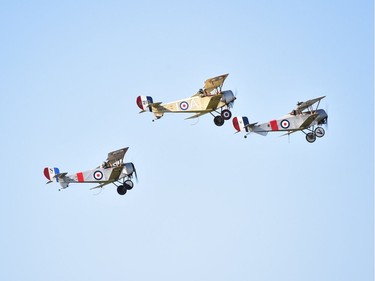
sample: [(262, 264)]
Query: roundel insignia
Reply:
[(98, 175), (285, 124), (184, 105)]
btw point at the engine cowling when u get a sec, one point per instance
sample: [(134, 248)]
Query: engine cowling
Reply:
[(228, 97), (129, 168)]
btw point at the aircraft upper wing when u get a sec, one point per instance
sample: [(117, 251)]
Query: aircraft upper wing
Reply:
[(117, 155), (215, 82), (308, 103)]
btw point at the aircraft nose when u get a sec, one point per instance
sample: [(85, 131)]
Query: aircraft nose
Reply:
[(323, 116)]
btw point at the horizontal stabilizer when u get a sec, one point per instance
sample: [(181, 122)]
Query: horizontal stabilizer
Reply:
[(251, 125), (60, 175), (155, 104)]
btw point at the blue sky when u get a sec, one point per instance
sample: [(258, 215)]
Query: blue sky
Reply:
[(209, 205)]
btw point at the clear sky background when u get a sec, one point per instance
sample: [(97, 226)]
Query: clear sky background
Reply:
[(210, 205)]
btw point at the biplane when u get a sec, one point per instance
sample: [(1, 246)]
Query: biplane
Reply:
[(303, 118), (211, 98), (113, 170)]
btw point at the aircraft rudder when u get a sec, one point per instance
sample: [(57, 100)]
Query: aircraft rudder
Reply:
[(241, 123), (143, 102), (50, 173)]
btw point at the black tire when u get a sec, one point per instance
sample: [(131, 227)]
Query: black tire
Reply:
[(320, 132), (226, 114), (128, 184), (121, 190), (219, 120), (311, 137)]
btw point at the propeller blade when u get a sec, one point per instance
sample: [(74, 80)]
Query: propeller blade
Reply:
[(135, 174)]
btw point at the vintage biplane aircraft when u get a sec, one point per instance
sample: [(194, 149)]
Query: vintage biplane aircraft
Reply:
[(207, 100), (303, 118), (113, 170)]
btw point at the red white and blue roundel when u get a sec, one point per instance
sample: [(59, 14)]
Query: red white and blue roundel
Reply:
[(184, 105), (98, 175), (284, 124)]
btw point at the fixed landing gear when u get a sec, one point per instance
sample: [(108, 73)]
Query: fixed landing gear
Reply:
[(319, 132), (313, 134), (311, 137), (224, 115), (122, 189), (128, 184), (219, 120)]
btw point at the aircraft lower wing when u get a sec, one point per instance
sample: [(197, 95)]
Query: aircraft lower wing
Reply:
[(214, 101), (60, 175), (308, 121), (151, 105), (198, 114), (116, 172), (290, 132), (100, 185)]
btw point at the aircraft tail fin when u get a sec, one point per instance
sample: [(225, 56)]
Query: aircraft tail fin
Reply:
[(241, 124), (144, 103), (51, 174)]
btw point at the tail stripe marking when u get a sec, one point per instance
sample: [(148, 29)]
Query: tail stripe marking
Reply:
[(235, 124), (274, 125), (246, 122), (80, 177), (57, 171), (46, 173)]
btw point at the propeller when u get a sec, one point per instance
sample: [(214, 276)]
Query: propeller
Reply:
[(135, 174), (325, 120), (231, 104), (326, 123)]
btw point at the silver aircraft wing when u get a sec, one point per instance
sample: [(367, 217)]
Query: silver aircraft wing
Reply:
[(303, 105), (116, 155)]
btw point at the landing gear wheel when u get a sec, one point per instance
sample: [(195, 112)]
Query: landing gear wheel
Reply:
[(226, 114), (121, 190), (219, 120), (310, 137), (128, 184), (319, 132)]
